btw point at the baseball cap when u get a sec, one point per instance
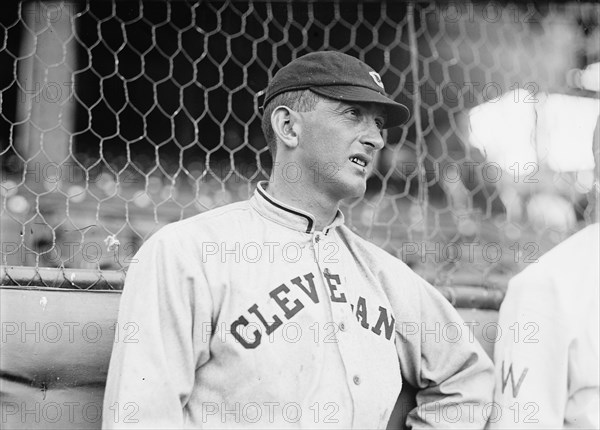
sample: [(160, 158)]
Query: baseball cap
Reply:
[(337, 76)]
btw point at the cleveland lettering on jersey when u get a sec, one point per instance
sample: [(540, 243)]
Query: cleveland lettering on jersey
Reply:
[(289, 308)]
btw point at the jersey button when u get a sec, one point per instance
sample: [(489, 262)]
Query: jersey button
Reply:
[(326, 271), (342, 326), (317, 238), (356, 380)]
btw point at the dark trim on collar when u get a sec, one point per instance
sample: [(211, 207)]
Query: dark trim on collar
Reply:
[(277, 205)]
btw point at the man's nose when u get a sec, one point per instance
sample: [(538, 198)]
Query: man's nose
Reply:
[(372, 136)]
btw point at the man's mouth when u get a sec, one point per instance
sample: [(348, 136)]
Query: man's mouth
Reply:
[(358, 161)]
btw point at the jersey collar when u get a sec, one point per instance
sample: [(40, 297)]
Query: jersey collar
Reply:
[(286, 215)]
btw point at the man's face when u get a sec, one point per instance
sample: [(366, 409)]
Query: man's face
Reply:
[(337, 143)]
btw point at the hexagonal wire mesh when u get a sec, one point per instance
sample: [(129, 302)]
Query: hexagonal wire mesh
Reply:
[(119, 117)]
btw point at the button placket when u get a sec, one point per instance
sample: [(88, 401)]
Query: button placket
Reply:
[(345, 318), (341, 313)]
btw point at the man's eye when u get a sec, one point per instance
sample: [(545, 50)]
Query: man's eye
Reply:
[(353, 112), (379, 124)]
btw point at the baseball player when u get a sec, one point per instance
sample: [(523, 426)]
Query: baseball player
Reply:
[(271, 312), (547, 357)]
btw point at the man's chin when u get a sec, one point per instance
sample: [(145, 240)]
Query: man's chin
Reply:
[(353, 190)]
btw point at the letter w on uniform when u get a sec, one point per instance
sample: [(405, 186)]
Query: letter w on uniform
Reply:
[(515, 389)]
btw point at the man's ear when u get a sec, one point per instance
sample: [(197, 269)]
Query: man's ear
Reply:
[(287, 125)]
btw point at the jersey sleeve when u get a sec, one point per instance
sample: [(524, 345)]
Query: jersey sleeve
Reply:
[(441, 358), (531, 355), (152, 369)]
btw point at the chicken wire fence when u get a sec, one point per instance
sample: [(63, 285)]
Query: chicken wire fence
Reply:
[(118, 117)]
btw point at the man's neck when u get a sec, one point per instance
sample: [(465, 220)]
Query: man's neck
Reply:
[(302, 196)]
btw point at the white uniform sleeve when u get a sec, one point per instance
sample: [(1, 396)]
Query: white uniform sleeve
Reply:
[(531, 355), (442, 359), (153, 364)]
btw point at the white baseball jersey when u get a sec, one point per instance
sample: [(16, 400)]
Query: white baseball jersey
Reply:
[(248, 317), (547, 356)]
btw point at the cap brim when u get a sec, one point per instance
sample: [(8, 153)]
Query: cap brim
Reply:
[(397, 114)]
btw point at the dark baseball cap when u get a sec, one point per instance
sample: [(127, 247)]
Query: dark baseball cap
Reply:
[(337, 76)]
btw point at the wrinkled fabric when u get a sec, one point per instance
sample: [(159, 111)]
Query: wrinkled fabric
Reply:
[(248, 317), (547, 358)]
